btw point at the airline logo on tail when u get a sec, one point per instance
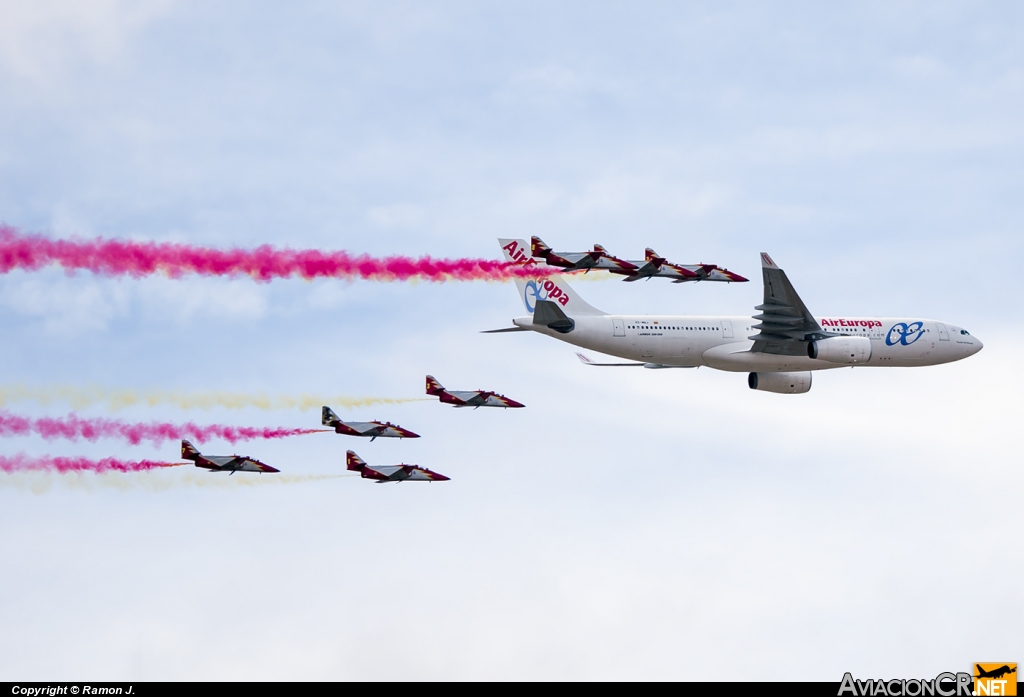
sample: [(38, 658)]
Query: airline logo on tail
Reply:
[(535, 289), (516, 253), (543, 290)]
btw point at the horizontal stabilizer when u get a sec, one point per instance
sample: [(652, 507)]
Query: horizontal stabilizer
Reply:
[(506, 329)]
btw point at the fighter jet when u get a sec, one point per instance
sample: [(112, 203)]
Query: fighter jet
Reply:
[(223, 463), (367, 429), (391, 473), (598, 258), (655, 266), (475, 399)]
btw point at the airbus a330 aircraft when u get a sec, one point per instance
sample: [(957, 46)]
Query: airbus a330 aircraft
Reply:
[(223, 463), (779, 347)]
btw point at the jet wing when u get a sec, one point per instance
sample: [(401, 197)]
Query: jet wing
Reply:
[(465, 397), (498, 400), (571, 260), (786, 325), (614, 264), (220, 460), (245, 464), (586, 361), (401, 473), (388, 430), (392, 472)]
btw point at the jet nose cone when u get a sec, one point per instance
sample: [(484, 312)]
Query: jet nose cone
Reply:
[(441, 478), (268, 468)]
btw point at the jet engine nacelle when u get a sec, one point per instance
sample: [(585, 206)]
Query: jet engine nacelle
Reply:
[(782, 383), (847, 350)]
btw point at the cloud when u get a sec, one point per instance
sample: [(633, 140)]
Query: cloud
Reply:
[(41, 41), (68, 306)]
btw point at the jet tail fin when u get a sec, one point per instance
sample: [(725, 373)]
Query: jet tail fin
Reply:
[(328, 417), (538, 248), (433, 386), (354, 462), (188, 451)]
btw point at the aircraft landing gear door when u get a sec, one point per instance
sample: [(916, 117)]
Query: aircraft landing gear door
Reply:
[(943, 334), (618, 328), (726, 329)]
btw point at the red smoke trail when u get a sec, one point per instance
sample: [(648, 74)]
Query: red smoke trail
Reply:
[(24, 463), (264, 263), (73, 427)]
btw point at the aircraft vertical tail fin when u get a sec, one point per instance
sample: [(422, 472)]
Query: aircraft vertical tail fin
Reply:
[(354, 462), (538, 248), (433, 386), (546, 286), (188, 451), (328, 417)]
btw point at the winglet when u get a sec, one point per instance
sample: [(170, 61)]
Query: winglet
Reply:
[(584, 360), (766, 262)]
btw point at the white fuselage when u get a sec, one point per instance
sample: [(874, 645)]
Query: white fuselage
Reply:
[(722, 342)]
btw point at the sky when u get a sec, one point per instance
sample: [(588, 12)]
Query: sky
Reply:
[(625, 525)]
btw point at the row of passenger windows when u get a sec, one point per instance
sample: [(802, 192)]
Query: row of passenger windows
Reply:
[(638, 326)]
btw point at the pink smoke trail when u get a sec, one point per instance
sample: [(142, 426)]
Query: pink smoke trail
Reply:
[(24, 463), (136, 259), (73, 427)]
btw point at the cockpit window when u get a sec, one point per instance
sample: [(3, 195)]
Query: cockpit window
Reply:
[(964, 332)]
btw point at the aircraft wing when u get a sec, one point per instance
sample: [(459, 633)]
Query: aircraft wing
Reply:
[(462, 397), (586, 361), (474, 399), (392, 472), (221, 460), (641, 269), (653, 366), (571, 260), (245, 464), (785, 322), (610, 263)]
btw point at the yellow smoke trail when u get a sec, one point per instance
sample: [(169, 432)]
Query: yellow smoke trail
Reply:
[(81, 397), (43, 482), (592, 275)]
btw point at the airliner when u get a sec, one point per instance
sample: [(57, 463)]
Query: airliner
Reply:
[(779, 347)]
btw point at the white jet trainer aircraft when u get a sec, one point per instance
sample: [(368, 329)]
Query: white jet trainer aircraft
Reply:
[(779, 347)]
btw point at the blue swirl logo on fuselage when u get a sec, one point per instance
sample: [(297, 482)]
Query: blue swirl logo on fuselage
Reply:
[(533, 291), (904, 334)]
